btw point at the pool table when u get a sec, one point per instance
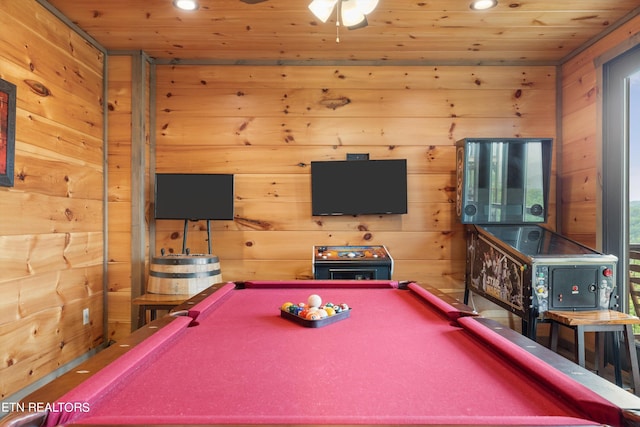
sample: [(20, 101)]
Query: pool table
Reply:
[(403, 355)]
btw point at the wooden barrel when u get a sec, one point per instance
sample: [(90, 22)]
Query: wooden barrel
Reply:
[(183, 274)]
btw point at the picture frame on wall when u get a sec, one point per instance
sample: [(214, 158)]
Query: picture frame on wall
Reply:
[(7, 132)]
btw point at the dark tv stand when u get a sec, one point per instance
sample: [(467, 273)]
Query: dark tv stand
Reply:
[(186, 229)]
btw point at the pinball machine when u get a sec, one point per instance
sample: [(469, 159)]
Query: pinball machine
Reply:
[(512, 259)]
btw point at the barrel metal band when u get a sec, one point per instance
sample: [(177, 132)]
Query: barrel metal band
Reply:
[(185, 275), (185, 261)]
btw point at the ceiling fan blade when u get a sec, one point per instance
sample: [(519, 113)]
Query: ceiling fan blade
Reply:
[(253, 1)]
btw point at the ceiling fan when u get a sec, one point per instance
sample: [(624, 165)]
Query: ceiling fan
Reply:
[(352, 12)]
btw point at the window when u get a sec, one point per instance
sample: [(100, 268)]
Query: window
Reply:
[(621, 170)]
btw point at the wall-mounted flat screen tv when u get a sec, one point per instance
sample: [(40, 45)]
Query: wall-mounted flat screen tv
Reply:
[(194, 196), (359, 187)]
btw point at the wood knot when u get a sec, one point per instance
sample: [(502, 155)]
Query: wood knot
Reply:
[(38, 88), (336, 102), (254, 224)]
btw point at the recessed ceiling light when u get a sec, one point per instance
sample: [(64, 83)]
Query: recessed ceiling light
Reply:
[(483, 4), (186, 4)]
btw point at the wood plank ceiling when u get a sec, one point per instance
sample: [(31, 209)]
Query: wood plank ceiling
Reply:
[(403, 31)]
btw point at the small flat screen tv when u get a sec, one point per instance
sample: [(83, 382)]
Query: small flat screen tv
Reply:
[(194, 196), (359, 187)]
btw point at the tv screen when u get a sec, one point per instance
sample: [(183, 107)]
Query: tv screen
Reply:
[(194, 196), (359, 187)]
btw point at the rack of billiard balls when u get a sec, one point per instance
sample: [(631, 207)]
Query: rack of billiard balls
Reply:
[(313, 313)]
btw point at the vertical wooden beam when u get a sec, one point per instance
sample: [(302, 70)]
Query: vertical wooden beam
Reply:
[(105, 199), (152, 157), (139, 100), (557, 148)]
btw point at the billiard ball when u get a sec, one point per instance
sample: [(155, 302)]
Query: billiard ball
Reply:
[(286, 306), (314, 301), (313, 315)]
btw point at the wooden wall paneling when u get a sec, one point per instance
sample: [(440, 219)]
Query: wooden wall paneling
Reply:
[(358, 102), (119, 293), (296, 187), (267, 125), (59, 141), (44, 214), (575, 159), (119, 315), (263, 131), (403, 78), (246, 269), (290, 245), (50, 36), (25, 255), (57, 177), (275, 216), (51, 225), (579, 187), (270, 216), (581, 93), (295, 160), (120, 71)]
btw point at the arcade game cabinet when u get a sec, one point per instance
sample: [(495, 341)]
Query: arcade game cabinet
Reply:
[(502, 196), (352, 262)]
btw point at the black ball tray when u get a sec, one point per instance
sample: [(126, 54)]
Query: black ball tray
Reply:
[(316, 323)]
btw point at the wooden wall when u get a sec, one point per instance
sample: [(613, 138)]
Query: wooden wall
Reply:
[(51, 221), (579, 172), (265, 124)]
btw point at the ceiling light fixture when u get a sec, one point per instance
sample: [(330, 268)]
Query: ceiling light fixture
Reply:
[(352, 13), (483, 4), (186, 4)]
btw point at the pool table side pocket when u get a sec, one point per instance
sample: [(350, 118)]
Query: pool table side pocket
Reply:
[(453, 313), (206, 305)]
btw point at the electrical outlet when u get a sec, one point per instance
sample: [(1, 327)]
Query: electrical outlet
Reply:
[(85, 316)]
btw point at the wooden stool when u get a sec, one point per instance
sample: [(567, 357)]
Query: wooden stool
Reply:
[(154, 302), (599, 321)]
